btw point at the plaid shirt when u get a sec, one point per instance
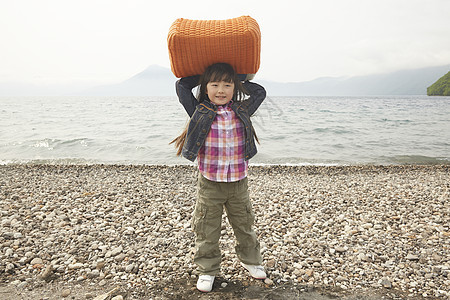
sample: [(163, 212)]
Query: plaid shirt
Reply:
[(221, 158)]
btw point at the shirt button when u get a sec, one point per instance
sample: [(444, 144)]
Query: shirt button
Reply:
[(198, 143)]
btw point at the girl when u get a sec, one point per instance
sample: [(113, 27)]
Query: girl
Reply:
[(221, 137)]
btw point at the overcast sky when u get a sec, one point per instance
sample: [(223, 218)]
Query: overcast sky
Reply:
[(107, 41)]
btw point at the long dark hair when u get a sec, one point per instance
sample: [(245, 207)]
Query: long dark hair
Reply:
[(215, 72)]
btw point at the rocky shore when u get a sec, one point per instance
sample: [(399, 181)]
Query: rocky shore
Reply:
[(80, 231)]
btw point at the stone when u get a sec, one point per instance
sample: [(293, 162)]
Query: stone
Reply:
[(129, 268), (341, 249), (22, 285), (100, 265), (48, 272), (36, 261), (93, 274), (386, 283), (116, 251), (10, 268), (362, 257), (367, 225), (120, 257), (102, 282), (65, 293), (75, 266), (60, 269), (412, 257), (270, 263)]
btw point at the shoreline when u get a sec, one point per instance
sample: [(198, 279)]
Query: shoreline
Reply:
[(398, 161), (340, 230)]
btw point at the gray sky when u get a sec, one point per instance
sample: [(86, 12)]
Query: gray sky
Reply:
[(107, 41)]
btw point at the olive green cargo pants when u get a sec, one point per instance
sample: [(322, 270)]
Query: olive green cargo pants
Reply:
[(207, 219)]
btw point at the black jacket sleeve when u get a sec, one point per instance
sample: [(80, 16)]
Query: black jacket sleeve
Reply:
[(257, 95), (184, 88)]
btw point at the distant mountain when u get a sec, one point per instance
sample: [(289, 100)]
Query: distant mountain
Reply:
[(440, 87), (405, 82), (159, 81)]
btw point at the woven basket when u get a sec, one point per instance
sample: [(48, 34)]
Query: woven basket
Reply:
[(196, 44)]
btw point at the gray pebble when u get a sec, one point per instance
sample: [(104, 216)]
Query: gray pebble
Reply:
[(36, 261)]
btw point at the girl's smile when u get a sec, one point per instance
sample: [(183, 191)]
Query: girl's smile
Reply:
[(220, 92)]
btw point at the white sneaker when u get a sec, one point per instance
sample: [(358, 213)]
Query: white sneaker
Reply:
[(205, 283), (256, 271)]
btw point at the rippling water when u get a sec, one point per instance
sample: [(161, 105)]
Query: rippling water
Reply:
[(292, 130)]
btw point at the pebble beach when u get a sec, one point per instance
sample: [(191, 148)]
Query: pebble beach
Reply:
[(381, 230)]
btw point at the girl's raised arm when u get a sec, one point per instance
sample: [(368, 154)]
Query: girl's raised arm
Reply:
[(184, 88), (257, 95)]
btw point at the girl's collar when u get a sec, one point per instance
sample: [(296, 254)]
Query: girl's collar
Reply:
[(226, 105)]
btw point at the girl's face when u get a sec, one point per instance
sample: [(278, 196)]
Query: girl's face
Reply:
[(220, 92)]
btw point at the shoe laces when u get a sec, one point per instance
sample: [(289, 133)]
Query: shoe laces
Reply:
[(205, 279), (261, 268)]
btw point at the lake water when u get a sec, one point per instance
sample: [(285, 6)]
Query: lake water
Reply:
[(292, 130)]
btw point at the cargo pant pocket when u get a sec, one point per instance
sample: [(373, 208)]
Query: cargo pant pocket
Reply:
[(198, 220), (242, 219), (250, 215)]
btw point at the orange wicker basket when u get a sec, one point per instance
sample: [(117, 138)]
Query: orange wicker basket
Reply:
[(196, 44)]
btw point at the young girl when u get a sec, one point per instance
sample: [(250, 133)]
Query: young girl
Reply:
[(220, 136)]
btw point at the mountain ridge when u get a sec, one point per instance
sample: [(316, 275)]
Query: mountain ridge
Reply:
[(402, 82), (156, 80), (159, 81)]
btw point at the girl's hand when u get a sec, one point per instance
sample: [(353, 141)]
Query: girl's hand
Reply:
[(246, 77), (191, 81), (250, 76)]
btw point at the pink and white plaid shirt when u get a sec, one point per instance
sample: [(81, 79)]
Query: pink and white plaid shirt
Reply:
[(221, 158)]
